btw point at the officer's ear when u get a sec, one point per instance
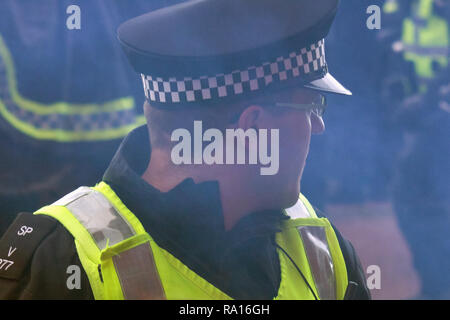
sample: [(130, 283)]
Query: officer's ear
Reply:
[(251, 117)]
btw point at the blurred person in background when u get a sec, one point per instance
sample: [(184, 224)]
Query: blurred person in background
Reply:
[(63, 110), (416, 91)]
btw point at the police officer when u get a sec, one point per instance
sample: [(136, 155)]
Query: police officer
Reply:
[(156, 228)]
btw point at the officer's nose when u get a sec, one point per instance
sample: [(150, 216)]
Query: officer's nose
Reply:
[(317, 124)]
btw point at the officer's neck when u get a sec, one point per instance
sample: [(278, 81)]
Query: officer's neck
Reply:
[(234, 188)]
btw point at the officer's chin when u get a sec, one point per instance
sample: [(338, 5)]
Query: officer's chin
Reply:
[(292, 200), (281, 197), (292, 192), (290, 196)]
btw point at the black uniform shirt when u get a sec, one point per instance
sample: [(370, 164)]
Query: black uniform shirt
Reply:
[(187, 221)]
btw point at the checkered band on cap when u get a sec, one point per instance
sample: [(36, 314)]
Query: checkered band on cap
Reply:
[(296, 64)]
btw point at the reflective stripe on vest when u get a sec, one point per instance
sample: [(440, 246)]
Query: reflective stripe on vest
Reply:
[(62, 121), (133, 266), (98, 216), (138, 275), (320, 260)]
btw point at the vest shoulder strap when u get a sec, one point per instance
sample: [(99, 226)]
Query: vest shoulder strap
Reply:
[(110, 237), (98, 216), (312, 244)]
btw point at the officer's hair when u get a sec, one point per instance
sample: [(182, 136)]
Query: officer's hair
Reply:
[(220, 115), (163, 121)]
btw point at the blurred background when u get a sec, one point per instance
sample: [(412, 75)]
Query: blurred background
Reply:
[(380, 172)]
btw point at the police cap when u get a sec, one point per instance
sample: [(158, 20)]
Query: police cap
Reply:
[(209, 50)]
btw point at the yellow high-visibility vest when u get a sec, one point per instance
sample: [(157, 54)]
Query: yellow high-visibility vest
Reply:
[(122, 261), (425, 39)]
